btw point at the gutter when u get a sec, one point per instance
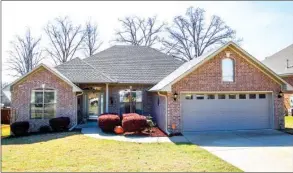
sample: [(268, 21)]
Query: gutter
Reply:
[(75, 124), (166, 130)]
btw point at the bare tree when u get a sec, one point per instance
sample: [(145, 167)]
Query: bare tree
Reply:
[(190, 37), (91, 41), (139, 31), (24, 54), (65, 39)]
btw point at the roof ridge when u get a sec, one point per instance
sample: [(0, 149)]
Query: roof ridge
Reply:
[(99, 72), (67, 62), (268, 57)]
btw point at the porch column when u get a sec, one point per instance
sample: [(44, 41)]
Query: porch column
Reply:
[(107, 97)]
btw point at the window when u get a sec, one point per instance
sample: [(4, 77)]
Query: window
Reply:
[(43, 104), (199, 97), (130, 101), (232, 96), (228, 70), (242, 96), (211, 96), (262, 96), (221, 96), (252, 96), (189, 97)]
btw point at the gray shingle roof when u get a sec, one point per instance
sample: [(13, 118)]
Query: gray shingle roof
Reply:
[(79, 71), (122, 64), (278, 61)]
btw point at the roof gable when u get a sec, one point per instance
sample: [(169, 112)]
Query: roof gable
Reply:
[(50, 69), (188, 67)]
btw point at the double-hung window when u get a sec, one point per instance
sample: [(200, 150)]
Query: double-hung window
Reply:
[(43, 104)]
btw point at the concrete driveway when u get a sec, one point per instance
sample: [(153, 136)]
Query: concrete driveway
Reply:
[(262, 150)]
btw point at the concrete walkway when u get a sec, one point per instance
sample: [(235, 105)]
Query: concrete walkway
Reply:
[(251, 151), (91, 129)]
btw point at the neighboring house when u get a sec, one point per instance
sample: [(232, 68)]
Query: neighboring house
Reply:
[(226, 89), (282, 64), (5, 102)]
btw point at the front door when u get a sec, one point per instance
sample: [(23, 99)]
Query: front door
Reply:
[(95, 104)]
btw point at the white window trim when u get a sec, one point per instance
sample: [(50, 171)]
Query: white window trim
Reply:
[(43, 103), (233, 70)]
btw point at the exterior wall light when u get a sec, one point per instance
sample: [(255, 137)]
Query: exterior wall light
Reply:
[(175, 96), (280, 95)]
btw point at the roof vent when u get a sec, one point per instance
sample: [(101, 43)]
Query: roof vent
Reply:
[(288, 66)]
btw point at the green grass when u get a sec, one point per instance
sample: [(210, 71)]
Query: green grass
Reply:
[(289, 122), (72, 151), (5, 130)]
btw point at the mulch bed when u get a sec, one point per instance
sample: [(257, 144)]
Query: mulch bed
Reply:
[(156, 132)]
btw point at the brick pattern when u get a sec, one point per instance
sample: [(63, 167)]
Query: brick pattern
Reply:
[(208, 77), (21, 96), (287, 96)]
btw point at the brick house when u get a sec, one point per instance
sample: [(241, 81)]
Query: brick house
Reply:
[(226, 89), (282, 64)]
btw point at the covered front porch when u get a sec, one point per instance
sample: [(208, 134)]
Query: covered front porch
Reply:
[(97, 99)]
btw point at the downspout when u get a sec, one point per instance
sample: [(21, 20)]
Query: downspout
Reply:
[(76, 113), (166, 113)]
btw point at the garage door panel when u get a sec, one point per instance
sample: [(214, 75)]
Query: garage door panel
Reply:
[(225, 114)]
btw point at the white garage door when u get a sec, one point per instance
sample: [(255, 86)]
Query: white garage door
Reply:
[(204, 112)]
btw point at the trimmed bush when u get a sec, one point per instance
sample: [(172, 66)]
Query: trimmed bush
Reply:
[(107, 122), (129, 114), (59, 124), (134, 123), (45, 129), (20, 128)]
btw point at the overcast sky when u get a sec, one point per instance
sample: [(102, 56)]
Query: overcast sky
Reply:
[(266, 27)]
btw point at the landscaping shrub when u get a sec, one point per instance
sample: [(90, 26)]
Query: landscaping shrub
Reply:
[(20, 128), (59, 124), (45, 129), (129, 114), (135, 123), (107, 122)]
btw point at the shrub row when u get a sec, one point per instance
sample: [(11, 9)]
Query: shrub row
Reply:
[(131, 122), (56, 124)]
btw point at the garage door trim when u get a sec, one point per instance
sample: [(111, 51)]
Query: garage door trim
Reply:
[(272, 123)]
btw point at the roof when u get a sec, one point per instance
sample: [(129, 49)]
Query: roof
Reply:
[(121, 64), (186, 68), (278, 61), (79, 71), (7, 89)]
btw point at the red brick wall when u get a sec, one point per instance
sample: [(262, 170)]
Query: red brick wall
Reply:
[(287, 96), (21, 96), (208, 78)]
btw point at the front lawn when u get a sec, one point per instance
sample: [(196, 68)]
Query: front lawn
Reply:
[(72, 151), (5, 130), (289, 124)]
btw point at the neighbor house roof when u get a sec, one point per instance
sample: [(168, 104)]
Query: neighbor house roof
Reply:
[(7, 89), (121, 64), (188, 67), (281, 62)]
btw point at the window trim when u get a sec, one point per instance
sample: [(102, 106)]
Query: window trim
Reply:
[(43, 102), (233, 70)]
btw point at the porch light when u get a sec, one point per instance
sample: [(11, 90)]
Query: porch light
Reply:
[(280, 95), (175, 96), (173, 126), (43, 86)]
